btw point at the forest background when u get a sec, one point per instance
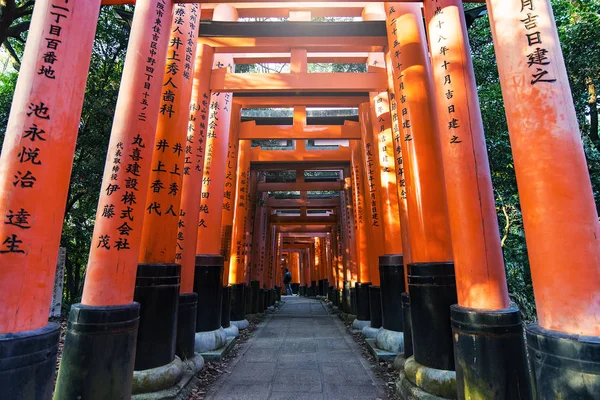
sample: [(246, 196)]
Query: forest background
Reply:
[(579, 31)]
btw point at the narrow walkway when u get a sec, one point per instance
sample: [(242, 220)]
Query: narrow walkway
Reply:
[(302, 352)]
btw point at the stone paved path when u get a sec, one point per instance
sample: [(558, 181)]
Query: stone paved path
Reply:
[(302, 352)]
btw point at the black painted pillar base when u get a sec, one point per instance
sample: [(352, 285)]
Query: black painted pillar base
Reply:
[(261, 300), (208, 283), (362, 301), (249, 300), (432, 290), (255, 285), (391, 274), (336, 298), (408, 342), (265, 299), (99, 353), (313, 289), (564, 366), (238, 302), (346, 301), (157, 292), (489, 353), (226, 307), (353, 305), (278, 292), (186, 325), (330, 293), (375, 315), (28, 362)]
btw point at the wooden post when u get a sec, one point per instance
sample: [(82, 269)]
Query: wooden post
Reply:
[(230, 192), (215, 162), (37, 155), (193, 167), (159, 232), (372, 188), (112, 265), (241, 218)]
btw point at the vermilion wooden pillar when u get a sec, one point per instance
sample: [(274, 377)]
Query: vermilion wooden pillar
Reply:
[(208, 278), (430, 242), (359, 205), (295, 267), (159, 333), (260, 249), (559, 214), (241, 218), (36, 166), (399, 167), (479, 266), (230, 192), (111, 272), (381, 123), (193, 167), (372, 190)]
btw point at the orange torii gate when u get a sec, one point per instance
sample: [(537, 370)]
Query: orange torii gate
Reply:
[(455, 283)]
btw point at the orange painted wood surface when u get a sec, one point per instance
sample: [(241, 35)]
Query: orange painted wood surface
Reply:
[(478, 260), (381, 122), (360, 209), (230, 191), (559, 214), (37, 155), (193, 167), (426, 194), (112, 264), (399, 165), (241, 219), (372, 194), (223, 81), (169, 151)]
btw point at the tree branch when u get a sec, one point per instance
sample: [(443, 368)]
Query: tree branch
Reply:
[(12, 52)]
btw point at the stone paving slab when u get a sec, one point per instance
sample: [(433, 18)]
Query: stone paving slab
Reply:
[(302, 352)]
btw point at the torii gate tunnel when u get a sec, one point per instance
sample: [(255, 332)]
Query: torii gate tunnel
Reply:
[(191, 234)]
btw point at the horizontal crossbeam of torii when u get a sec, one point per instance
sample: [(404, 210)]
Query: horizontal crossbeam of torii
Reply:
[(267, 4)]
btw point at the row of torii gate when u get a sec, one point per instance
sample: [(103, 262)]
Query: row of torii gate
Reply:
[(414, 187)]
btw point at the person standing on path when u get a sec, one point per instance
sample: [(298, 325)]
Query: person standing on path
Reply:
[(287, 279)]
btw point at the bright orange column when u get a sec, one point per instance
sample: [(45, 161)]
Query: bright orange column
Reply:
[(112, 264), (559, 214), (478, 261), (330, 260), (230, 191), (425, 191), (307, 267), (372, 189), (260, 255), (159, 232), (295, 267), (348, 233), (359, 205), (37, 155), (381, 121), (215, 161), (399, 165), (241, 218), (193, 167)]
